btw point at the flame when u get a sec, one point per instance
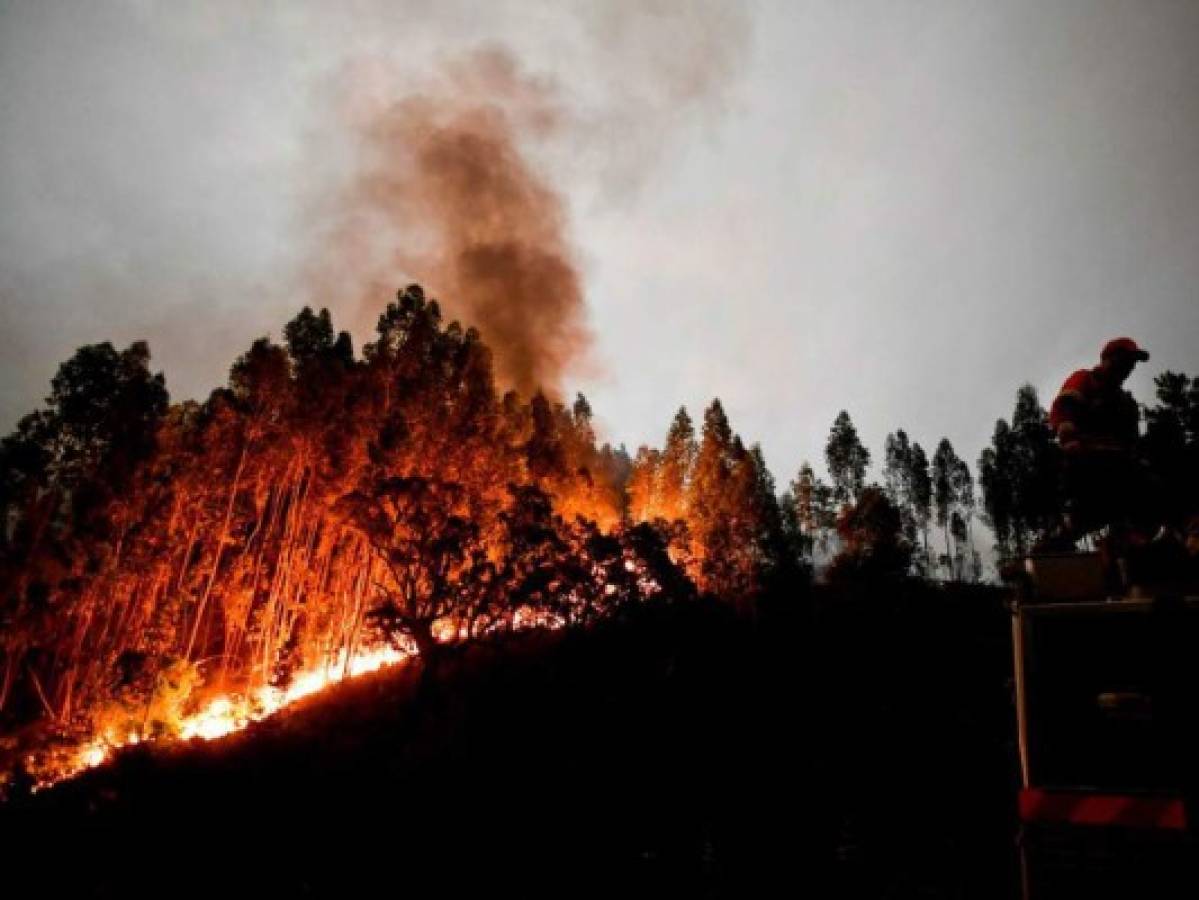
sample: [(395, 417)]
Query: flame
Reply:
[(229, 713)]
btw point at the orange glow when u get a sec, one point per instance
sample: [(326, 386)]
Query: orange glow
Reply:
[(228, 713), (324, 515)]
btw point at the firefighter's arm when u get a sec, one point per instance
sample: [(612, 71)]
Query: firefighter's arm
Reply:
[(1066, 409), (1068, 437)]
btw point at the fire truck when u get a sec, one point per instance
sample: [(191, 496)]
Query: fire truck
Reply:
[(1107, 712)]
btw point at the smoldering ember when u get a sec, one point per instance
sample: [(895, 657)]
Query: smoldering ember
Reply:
[(393, 607)]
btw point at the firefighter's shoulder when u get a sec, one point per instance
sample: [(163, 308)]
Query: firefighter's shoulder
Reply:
[(1079, 384)]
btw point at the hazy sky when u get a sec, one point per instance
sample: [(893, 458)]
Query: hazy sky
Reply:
[(904, 209)]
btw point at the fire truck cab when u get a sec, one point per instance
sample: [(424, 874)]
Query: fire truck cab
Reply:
[(1107, 710)]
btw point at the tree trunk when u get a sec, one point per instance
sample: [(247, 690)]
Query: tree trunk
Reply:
[(220, 548), (10, 659)]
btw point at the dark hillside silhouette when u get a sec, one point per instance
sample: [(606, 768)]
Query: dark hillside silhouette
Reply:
[(851, 743)]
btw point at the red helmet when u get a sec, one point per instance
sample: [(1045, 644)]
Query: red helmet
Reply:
[(1123, 346)]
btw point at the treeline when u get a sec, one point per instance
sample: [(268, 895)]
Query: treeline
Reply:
[(325, 500), (322, 501), (1020, 478), (850, 523)]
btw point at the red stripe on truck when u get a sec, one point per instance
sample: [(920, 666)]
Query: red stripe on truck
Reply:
[(1115, 810)]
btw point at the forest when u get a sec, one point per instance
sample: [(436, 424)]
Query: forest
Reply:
[(324, 505)]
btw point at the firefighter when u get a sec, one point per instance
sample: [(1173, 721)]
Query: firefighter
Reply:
[(1097, 424)]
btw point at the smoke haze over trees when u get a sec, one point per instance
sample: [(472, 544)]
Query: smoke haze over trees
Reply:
[(443, 193), (787, 161), (328, 155)]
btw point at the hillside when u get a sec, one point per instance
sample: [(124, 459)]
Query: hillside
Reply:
[(863, 744)]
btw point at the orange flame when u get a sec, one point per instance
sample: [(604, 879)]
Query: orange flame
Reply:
[(228, 713)]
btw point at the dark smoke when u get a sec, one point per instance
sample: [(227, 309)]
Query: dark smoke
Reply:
[(445, 195), (200, 205)]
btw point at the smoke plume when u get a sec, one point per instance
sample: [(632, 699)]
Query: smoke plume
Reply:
[(453, 178), (443, 192), (325, 154)]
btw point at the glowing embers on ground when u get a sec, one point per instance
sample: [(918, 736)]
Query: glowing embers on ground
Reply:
[(228, 713)]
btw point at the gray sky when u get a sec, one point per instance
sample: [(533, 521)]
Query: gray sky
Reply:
[(904, 209)]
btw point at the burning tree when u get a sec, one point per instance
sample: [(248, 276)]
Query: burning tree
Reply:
[(873, 545), (431, 552), (244, 549)]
